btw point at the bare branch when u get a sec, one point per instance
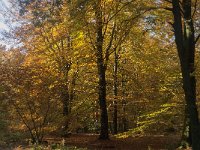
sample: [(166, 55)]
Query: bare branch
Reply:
[(155, 8), (197, 38), (110, 43), (195, 8), (90, 37), (109, 18), (118, 11), (23, 119), (168, 1), (167, 8)]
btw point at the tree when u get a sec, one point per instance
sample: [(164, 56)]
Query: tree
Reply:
[(51, 33), (86, 57), (185, 41), (101, 69)]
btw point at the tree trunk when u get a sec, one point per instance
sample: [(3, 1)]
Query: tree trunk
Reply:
[(186, 133), (72, 89), (65, 100), (101, 72), (115, 90), (124, 120), (186, 49), (102, 102)]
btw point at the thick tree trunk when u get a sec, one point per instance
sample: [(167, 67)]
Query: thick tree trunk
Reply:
[(192, 111), (186, 49), (102, 102), (186, 133), (101, 72)]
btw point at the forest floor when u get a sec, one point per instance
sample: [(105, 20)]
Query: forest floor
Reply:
[(91, 142), (132, 143)]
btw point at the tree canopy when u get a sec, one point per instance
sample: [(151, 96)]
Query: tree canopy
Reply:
[(109, 67)]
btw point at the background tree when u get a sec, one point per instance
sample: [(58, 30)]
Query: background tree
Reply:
[(124, 80)]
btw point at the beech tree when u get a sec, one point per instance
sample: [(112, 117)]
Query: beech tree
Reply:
[(185, 41), (104, 66)]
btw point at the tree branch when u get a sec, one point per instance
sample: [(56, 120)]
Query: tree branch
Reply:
[(195, 8), (197, 38), (168, 1), (110, 44)]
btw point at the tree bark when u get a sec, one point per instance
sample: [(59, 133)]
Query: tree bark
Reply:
[(186, 133), (124, 120), (115, 90), (101, 72), (184, 38)]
